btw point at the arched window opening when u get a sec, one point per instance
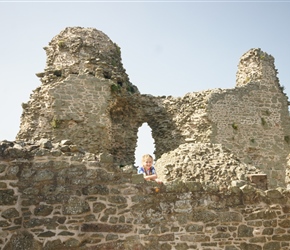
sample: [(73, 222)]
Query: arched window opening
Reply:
[(145, 143)]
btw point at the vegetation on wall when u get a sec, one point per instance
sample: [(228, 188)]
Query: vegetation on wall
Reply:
[(235, 126), (55, 123), (263, 121)]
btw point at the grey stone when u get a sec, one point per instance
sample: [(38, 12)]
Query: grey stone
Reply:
[(245, 231), (96, 189), (43, 210), (273, 193), (204, 216), (137, 178), (10, 213), (75, 205), (45, 143), (2, 167), (246, 246), (23, 240), (7, 197), (272, 246), (230, 217), (106, 158)]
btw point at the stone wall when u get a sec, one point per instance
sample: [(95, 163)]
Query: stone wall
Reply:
[(82, 71), (76, 108), (207, 163), (57, 196), (252, 120)]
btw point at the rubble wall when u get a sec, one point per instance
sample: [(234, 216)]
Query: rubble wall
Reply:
[(252, 120), (56, 196), (75, 108)]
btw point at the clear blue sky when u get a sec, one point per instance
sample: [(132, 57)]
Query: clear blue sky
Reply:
[(168, 48)]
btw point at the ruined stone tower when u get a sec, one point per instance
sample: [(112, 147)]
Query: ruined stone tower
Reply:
[(86, 96)]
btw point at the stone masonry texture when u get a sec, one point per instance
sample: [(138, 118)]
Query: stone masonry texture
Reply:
[(57, 196), (68, 180)]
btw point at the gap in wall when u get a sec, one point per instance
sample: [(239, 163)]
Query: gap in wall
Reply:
[(145, 143)]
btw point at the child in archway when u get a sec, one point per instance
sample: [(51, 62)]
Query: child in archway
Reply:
[(147, 169)]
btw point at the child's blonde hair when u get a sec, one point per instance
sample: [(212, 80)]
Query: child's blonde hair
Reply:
[(145, 157)]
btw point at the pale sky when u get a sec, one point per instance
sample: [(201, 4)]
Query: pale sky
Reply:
[(168, 47)]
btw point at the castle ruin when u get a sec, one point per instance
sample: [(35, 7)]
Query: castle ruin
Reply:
[(68, 181)]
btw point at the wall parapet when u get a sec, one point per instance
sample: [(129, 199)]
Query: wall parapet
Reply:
[(61, 197)]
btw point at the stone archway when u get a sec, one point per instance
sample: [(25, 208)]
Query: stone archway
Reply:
[(128, 114)]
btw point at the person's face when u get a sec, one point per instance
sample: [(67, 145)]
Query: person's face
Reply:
[(147, 163)]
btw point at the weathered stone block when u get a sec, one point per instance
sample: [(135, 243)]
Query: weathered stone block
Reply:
[(270, 223), (117, 199), (75, 205), (245, 231), (46, 234), (106, 158), (71, 243), (183, 206), (284, 223), (181, 246), (96, 189), (285, 237), (265, 215), (230, 248), (2, 167), (45, 143), (193, 186), (4, 223), (166, 237), (103, 176), (268, 231), (272, 246), (23, 240), (43, 210), (43, 175), (259, 180), (230, 217), (195, 238), (221, 235), (66, 233), (110, 211), (16, 152), (274, 194), (12, 172), (118, 228), (112, 237), (98, 207), (203, 215), (34, 222), (137, 178), (246, 246), (10, 213), (258, 239), (175, 186), (7, 197), (194, 228)]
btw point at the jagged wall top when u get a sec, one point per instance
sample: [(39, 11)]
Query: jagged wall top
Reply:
[(256, 66), (77, 50)]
